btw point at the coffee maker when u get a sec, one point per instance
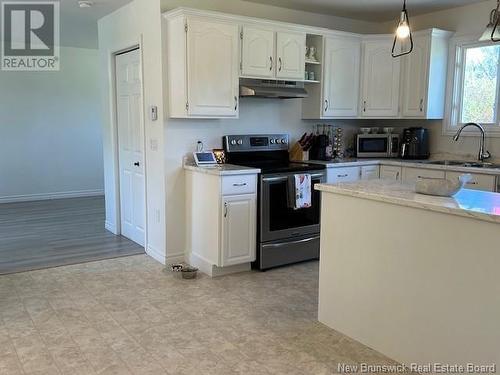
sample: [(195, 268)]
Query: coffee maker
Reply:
[(415, 143)]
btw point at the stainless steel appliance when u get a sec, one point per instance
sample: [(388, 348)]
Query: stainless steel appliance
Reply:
[(285, 235), (415, 143), (377, 145)]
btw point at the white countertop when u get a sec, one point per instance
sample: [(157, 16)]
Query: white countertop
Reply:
[(424, 164), (469, 203), (222, 170)]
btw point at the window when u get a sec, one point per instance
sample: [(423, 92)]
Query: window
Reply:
[(476, 86)]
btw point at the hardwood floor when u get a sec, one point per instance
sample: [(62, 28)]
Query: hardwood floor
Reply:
[(42, 234)]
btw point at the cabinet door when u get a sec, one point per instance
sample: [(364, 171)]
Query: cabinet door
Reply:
[(290, 55), (479, 181), (212, 54), (380, 80), (341, 78), (257, 52), (336, 175), (388, 172), (410, 175), (415, 78), (370, 172), (238, 229)]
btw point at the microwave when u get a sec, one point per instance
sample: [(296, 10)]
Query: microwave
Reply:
[(377, 146)]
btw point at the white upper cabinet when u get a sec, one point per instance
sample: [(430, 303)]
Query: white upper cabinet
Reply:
[(424, 75), (290, 55), (257, 52), (341, 77), (203, 70), (380, 79), (272, 55)]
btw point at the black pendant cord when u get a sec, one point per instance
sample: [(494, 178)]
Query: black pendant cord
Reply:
[(497, 18), (396, 36)]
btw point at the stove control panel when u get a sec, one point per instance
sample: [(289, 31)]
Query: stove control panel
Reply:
[(256, 142)]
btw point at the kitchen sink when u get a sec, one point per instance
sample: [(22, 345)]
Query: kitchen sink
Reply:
[(465, 164)]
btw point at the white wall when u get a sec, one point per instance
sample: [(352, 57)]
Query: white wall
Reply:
[(467, 20), (139, 21), (246, 8), (50, 143)]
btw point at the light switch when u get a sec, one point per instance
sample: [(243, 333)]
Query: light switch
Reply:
[(153, 145), (154, 113)]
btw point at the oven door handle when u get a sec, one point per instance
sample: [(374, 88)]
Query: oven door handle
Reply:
[(291, 242), (284, 178)]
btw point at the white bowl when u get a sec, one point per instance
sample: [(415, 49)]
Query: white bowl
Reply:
[(388, 130), (441, 187)]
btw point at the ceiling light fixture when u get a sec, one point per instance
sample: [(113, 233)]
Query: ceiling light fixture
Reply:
[(85, 3), (403, 33), (492, 33)]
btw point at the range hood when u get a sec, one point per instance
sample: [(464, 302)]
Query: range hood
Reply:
[(272, 89)]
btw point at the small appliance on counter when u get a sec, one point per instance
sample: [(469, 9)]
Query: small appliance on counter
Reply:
[(415, 143), (377, 145)]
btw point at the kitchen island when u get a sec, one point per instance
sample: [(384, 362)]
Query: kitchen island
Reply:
[(413, 276)]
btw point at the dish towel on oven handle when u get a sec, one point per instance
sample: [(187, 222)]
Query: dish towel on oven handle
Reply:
[(299, 188)]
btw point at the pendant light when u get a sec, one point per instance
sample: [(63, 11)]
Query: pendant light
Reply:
[(403, 33), (492, 31)]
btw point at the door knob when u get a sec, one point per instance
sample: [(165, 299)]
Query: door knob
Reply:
[(137, 164)]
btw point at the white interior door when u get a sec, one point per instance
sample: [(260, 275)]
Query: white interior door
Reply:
[(131, 145)]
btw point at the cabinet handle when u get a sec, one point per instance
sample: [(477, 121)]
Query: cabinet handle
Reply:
[(397, 175), (280, 64), (364, 106), (235, 103), (271, 59), (342, 175), (472, 183), (326, 105), (241, 184), (421, 105), (225, 209)]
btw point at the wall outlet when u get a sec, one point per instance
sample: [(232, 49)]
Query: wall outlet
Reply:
[(153, 143)]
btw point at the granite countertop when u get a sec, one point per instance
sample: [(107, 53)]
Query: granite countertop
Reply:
[(222, 170), (405, 163), (468, 203)]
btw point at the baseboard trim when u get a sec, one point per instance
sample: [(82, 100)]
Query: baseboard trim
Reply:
[(49, 196), (213, 271), (175, 258), (156, 254), (111, 227)]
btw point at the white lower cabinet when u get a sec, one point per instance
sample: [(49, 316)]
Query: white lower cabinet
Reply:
[(478, 182), (221, 221), (348, 174), (389, 172), (410, 175), (370, 172), (238, 229)]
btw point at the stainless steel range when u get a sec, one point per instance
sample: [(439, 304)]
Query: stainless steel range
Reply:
[(285, 235)]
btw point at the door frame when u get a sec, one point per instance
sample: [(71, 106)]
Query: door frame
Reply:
[(111, 54)]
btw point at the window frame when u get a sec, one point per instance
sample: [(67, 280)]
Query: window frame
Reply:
[(454, 92)]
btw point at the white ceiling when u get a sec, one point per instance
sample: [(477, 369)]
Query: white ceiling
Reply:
[(368, 10), (79, 25)]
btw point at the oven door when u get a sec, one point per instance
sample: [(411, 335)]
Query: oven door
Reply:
[(373, 146), (277, 219)]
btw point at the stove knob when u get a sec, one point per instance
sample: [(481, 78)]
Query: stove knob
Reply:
[(240, 142), (277, 141), (283, 141), (233, 142), (272, 141)]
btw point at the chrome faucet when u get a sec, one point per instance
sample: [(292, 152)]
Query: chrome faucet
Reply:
[(483, 155)]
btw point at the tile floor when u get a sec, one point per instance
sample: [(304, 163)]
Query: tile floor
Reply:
[(129, 316)]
